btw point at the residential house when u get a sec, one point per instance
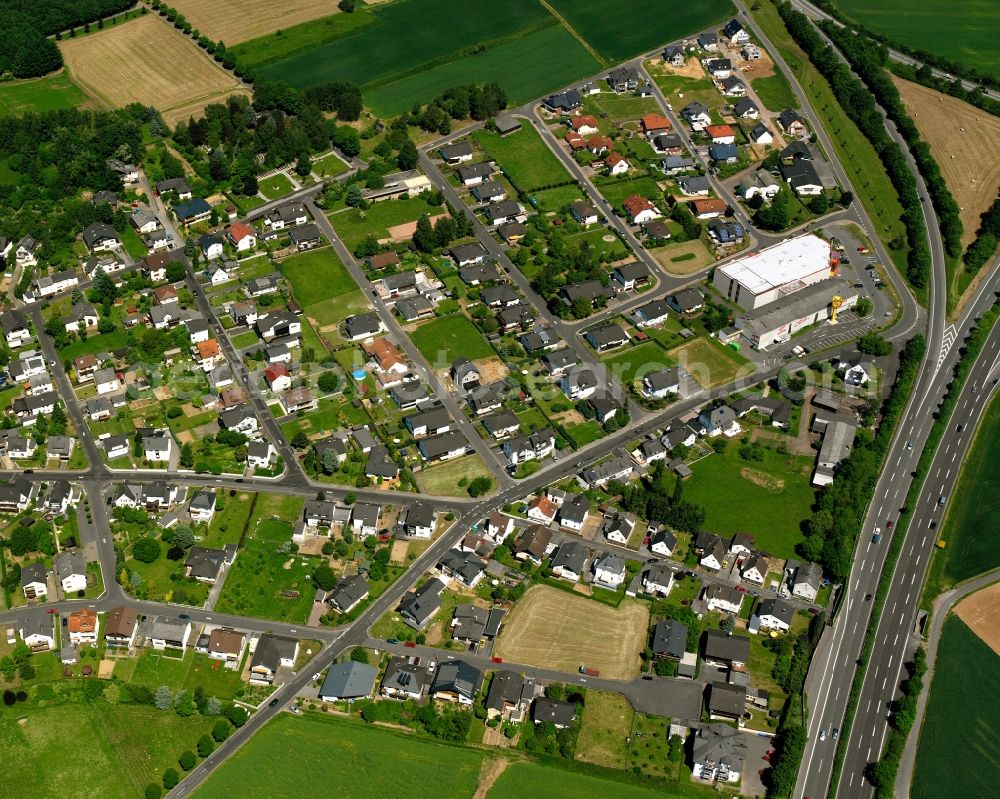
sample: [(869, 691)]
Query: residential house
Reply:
[(573, 513), (658, 579), (271, 653), (466, 567), (669, 639), (675, 165), (259, 286), (488, 398), (456, 681), (443, 446), (474, 174), (532, 544), (242, 236), (15, 329), (569, 561), (541, 509), (430, 422), (278, 324), (278, 377), (723, 154), (560, 715), (807, 581), (695, 186), (631, 276), (723, 598), (36, 631), (566, 101), (34, 581), (502, 425), (349, 593), (465, 375), (618, 468), (201, 508), (120, 628), (662, 383), (639, 210), (241, 419), (607, 337), (71, 571), (418, 607), (509, 696), (468, 255), (687, 300), (719, 753), (759, 134), (745, 108), (260, 454), (457, 153), (652, 314), (719, 420), (726, 231), (350, 681), (584, 124), (674, 55), (100, 237), (619, 527), (791, 123), (287, 216), (623, 79), (489, 192), (726, 702), (56, 283), (697, 115), (363, 326), (205, 564), (364, 519), (579, 383), (472, 624), (498, 527), (609, 571), (725, 649), (417, 521), (556, 363), (535, 446), (733, 87), (714, 556), (663, 542), (772, 615)]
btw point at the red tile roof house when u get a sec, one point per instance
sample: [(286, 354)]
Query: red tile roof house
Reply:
[(639, 209), (584, 125), (655, 124), (616, 164), (575, 141), (599, 145), (721, 134), (242, 236), (278, 377)]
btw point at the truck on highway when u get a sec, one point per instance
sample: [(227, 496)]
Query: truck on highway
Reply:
[(589, 672)]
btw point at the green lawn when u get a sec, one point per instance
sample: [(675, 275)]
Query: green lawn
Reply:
[(278, 185), (585, 433), (524, 158), (153, 669), (767, 499), (620, 107), (522, 65), (637, 361), (245, 339), (443, 478), (613, 249), (607, 722), (681, 90), (97, 343), (958, 31), (291, 756), (327, 417), (317, 275), (127, 746), (133, 244), (556, 198), (854, 151), (710, 362), (635, 27), (51, 93), (329, 166), (353, 225), (961, 729), (615, 190), (442, 340), (969, 530), (774, 92)]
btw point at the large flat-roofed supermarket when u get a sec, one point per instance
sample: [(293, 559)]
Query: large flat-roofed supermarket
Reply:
[(779, 321), (777, 271)]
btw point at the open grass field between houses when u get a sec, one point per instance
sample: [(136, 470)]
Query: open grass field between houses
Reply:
[(317, 275), (964, 141), (959, 30), (524, 157), (607, 721), (542, 782), (684, 258), (290, 756), (557, 630), (633, 363), (145, 60), (960, 735), (443, 478), (353, 225), (443, 340), (768, 499), (710, 362), (234, 21), (51, 93)]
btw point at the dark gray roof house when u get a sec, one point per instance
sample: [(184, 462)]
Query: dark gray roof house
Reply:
[(418, 607), (348, 593), (559, 714), (457, 680), (722, 647), (669, 639), (204, 563), (351, 680), (571, 557)]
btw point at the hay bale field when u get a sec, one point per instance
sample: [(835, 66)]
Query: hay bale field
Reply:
[(966, 144), (557, 630), (147, 61), (981, 613), (235, 21)]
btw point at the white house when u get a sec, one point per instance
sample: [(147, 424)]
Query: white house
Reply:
[(260, 454), (498, 527), (754, 570), (158, 448), (106, 381), (663, 542), (723, 598), (772, 615), (219, 273), (618, 528), (242, 236), (658, 580), (609, 571), (71, 569)]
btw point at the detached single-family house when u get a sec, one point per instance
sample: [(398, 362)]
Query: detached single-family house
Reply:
[(71, 571), (658, 579), (100, 237), (723, 598), (619, 527), (271, 653), (807, 581), (639, 210), (662, 383), (456, 681), (350, 681), (120, 628), (418, 607), (569, 561), (573, 513), (242, 236), (663, 542), (609, 571), (772, 615), (34, 581), (36, 631)]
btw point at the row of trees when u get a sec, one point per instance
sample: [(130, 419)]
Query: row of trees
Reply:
[(479, 102), (987, 239), (857, 102), (655, 499), (882, 773), (869, 59)]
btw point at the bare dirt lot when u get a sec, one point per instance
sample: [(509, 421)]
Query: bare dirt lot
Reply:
[(966, 144), (555, 629), (147, 61), (235, 21), (981, 612)]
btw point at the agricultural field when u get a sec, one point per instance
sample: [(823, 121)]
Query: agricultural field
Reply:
[(524, 158), (542, 782), (442, 340), (523, 66), (145, 60), (960, 731), (51, 93), (552, 628), (966, 144), (968, 528), (127, 746), (290, 756), (959, 31), (979, 612), (234, 21), (444, 478), (303, 36), (710, 362), (767, 499), (636, 30)]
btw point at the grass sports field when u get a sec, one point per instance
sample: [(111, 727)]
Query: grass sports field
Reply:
[(960, 736), (966, 144), (560, 631), (969, 527), (443, 340), (233, 21), (147, 61), (767, 499), (511, 43), (51, 93), (959, 30), (291, 756), (524, 157), (127, 746)]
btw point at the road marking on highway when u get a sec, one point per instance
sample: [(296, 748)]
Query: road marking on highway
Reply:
[(947, 340)]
